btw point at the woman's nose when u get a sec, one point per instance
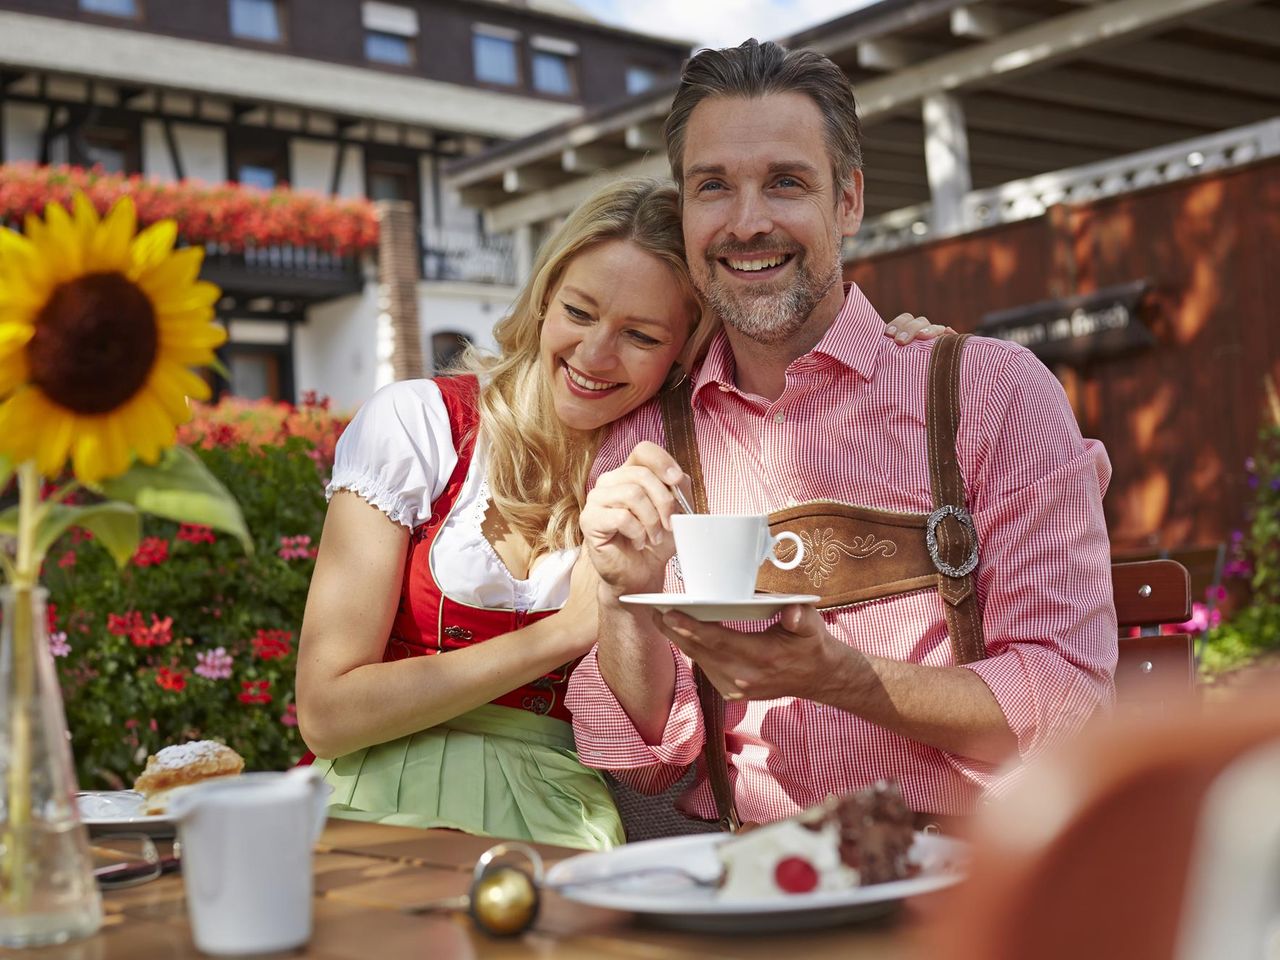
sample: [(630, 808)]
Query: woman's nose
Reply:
[(597, 350)]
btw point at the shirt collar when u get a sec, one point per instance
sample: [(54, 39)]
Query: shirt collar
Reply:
[(852, 340)]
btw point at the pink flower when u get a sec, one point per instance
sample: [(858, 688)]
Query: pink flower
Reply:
[(58, 645), (290, 718), (214, 664), (1202, 619), (296, 548), (67, 560)]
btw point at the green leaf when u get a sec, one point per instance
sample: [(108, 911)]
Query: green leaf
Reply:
[(6, 471), (116, 526), (179, 487)]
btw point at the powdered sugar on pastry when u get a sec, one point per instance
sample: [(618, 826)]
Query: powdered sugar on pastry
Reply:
[(181, 765)]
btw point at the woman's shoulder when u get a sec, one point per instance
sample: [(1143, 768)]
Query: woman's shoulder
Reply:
[(398, 451)]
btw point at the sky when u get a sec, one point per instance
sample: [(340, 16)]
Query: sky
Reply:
[(719, 23)]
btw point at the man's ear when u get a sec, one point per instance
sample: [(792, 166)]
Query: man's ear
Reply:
[(849, 204)]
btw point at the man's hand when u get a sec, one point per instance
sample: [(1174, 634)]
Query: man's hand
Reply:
[(626, 522), (796, 657)]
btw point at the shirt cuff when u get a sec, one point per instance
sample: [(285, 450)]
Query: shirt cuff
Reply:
[(606, 737)]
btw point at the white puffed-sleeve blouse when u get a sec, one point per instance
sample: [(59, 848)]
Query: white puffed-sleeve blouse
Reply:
[(398, 454)]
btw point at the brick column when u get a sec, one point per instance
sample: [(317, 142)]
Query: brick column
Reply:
[(398, 286)]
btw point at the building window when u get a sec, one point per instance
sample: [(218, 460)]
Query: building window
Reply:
[(390, 33), (114, 8), (256, 20), (447, 349), (497, 59), (114, 149), (553, 65), (640, 79), (259, 160)]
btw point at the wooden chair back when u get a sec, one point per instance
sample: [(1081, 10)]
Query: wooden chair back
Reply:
[(1154, 669)]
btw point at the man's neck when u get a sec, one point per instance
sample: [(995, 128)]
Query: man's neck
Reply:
[(761, 368)]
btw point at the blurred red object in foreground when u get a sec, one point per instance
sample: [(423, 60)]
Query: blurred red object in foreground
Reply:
[(1107, 848)]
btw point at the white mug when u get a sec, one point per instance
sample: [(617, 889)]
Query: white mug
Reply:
[(720, 554), (247, 845)]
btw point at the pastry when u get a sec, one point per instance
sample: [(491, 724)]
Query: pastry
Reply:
[(182, 765)]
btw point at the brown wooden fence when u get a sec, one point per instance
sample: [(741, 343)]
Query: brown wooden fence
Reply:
[(1178, 418)]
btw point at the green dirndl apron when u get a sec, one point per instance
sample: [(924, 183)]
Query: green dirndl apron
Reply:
[(495, 772)]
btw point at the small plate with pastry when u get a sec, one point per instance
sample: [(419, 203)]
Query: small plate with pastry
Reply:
[(144, 808)]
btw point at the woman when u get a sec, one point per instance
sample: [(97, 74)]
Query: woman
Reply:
[(454, 520)]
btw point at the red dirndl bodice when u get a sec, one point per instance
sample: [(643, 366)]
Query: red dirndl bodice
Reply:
[(428, 622)]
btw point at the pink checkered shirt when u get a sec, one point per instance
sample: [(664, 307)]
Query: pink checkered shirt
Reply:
[(850, 426)]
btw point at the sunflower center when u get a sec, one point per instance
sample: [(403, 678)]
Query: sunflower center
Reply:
[(95, 342)]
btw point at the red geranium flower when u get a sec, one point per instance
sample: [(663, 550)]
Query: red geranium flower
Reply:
[(272, 644), (174, 680), (159, 634), (255, 691), (196, 533), (151, 552)]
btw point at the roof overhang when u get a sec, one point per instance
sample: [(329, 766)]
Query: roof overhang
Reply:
[(1043, 85)]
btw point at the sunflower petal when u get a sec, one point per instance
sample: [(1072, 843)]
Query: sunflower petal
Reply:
[(13, 372), (57, 433), (111, 244), (174, 276), (151, 246), (64, 240)]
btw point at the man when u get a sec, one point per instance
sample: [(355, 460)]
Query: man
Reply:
[(798, 401)]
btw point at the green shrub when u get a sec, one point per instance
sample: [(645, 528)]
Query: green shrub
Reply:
[(194, 639), (1254, 630)]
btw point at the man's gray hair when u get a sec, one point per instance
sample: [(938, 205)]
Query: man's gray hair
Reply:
[(755, 69)]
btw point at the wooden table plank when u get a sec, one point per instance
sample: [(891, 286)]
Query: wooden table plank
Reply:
[(367, 874)]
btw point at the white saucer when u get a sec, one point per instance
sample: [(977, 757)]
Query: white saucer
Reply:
[(760, 607)]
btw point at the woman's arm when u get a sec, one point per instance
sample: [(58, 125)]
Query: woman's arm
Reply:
[(348, 698)]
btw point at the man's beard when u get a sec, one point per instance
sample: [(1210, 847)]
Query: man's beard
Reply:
[(773, 315)]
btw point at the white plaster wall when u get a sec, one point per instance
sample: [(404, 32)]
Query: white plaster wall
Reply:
[(155, 152), (352, 182), (203, 151), (311, 164), (471, 309), (22, 125), (335, 350)]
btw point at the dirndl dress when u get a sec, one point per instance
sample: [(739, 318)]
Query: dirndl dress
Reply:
[(507, 769)]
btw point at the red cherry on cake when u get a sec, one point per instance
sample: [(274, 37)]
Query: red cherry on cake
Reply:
[(795, 875)]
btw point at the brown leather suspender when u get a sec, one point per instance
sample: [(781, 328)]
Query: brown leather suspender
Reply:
[(888, 557)]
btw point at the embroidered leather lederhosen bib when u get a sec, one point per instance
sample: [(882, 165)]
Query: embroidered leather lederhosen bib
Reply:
[(854, 554)]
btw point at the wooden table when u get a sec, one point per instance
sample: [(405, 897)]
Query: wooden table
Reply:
[(367, 873)]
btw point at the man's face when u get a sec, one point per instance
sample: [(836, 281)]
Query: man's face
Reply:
[(763, 217)]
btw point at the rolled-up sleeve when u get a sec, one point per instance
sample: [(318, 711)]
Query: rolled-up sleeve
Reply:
[(1045, 576), (608, 740)]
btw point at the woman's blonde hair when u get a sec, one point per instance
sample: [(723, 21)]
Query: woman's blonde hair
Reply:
[(538, 467)]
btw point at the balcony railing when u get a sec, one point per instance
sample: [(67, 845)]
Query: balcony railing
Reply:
[(282, 270), (466, 257)]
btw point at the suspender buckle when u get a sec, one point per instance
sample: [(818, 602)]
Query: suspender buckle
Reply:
[(931, 540)]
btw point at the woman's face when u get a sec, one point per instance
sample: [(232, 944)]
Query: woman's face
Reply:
[(615, 323)]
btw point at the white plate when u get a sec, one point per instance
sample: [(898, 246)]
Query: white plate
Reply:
[(120, 811), (760, 607), (674, 901)]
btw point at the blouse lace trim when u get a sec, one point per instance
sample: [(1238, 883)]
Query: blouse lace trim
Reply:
[(370, 488)]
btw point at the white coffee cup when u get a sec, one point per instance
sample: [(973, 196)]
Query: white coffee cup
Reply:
[(720, 554), (247, 845)]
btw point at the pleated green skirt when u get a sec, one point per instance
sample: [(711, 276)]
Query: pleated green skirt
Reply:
[(495, 772)]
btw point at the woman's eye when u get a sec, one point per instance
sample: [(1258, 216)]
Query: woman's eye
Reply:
[(575, 314), (644, 339)]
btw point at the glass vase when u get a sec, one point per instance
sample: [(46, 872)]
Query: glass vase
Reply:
[(47, 890)]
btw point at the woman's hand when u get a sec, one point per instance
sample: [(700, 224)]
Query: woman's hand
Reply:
[(904, 328), (579, 617)]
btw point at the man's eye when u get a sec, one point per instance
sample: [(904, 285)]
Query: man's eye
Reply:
[(710, 185), (787, 182)]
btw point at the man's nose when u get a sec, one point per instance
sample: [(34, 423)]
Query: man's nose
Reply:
[(750, 216)]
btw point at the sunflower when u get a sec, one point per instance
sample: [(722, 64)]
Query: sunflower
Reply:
[(99, 330)]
